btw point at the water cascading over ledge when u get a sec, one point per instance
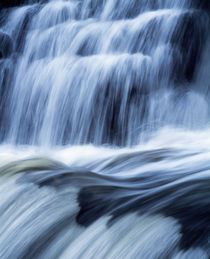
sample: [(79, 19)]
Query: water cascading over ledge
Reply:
[(102, 72), (104, 129)]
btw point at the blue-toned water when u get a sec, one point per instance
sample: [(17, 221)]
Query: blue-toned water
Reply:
[(104, 129)]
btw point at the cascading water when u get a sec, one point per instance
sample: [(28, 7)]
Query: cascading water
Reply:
[(104, 129)]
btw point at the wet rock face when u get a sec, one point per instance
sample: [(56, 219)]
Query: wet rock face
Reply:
[(6, 45), (204, 4), (16, 3), (188, 39), (8, 4)]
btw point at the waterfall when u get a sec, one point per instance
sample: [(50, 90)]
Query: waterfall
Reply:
[(104, 129), (102, 72)]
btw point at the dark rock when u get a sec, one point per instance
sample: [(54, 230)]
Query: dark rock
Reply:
[(15, 3), (6, 45), (204, 4), (8, 4), (188, 39)]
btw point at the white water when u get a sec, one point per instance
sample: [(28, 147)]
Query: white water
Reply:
[(30, 214), (109, 87)]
